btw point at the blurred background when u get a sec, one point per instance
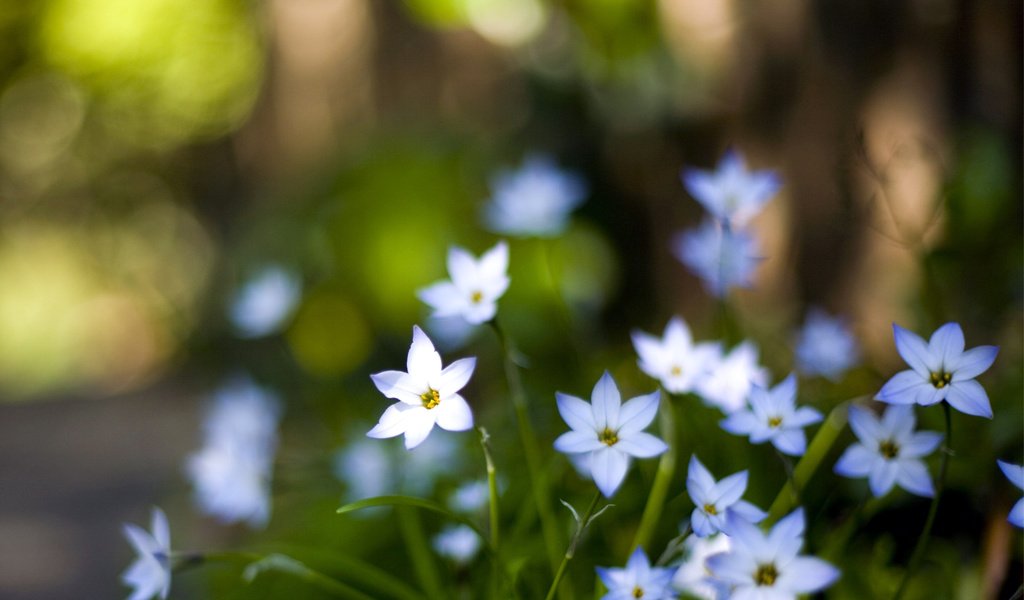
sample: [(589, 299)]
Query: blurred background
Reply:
[(158, 156)]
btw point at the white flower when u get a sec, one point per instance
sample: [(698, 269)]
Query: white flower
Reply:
[(889, 451), (1015, 473), (674, 359), (637, 580), (825, 346), (693, 576), (773, 416), (150, 574), (731, 377), (459, 543), (609, 431), (768, 567), (731, 193), (232, 472), (470, 497), (426, 394), (264, 302), (716, 503), (535, 200), (940, 370), (474, 288), (723, 258)]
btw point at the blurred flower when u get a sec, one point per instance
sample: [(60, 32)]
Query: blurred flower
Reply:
[(474, 288), (889, 451), (693, 576), (773, 416), (768, 566), (232, 472), (427, 395), (1015, 473), (724, 258), (366, 469), (940, 370), (731, 194), (674, 359), (717, 502), (470, 497), (825, 346), (459, 543), (535, 200), (609, 431), (731, 377), (264, 302), (637, 580), (150, 574)]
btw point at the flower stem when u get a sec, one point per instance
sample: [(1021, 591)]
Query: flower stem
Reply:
[(492, 487), (538, 479), (922, 541), (570, 551), (419, 552), (662, 480)]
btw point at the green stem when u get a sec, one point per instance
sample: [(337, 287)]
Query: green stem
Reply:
[(820, 445), (922, 541), (419, 551), (492, 488), (662, 480), (538, 480), (570, 551)]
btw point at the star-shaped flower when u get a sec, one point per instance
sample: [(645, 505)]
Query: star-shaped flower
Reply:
[(674, 359), (731, 193), (609, 431), (769, 567), (637, 580), (536, 200), (692, 575), (825, 346), (940, 370), (1015, 473), (731, 378), (717, 502), (773, 416), (265, 302), (889, 451), (474, 288), (723, 258), (427, 394), (150, 574)]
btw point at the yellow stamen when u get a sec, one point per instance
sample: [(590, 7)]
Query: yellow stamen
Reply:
[(941, 379), (711, 509), (608, 437), (676, 370), (477, 297), (766, 574), (638, 592), (888, 449), (430, 398), (774, 422)]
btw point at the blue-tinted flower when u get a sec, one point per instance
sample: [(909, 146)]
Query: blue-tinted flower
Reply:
[(150, 574), (692, 575), (940, 370), (535, 200), (731, 377), (470, 497), (638, 580), (427, 394), (1015, 473), (474, 288), (889, 451), (232, 472), (731, 193), (674, 359), (773, 416), (458, 542), (723, 258), (717, 502), (264, 302), (825, 346), (769, 567), (609, 431)]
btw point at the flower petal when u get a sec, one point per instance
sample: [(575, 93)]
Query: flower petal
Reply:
[(161, 531), (806, 574), (912, 475), (730, 489), (444, 298), (969, 398), (455, 376), (423, 362), (1016, 515), (400, 386), (608, 467), (882, 478), (653, 359), (699, 482), (462, 268), (790, 441), (418, 426), (740, 423), (701, 524), (394, 421), (974, 362), (606, 401), (1015, 473), (494, 263), (637, 413), (914, 351), (573, 442), (641, 445), (747, 511), (855, 462), (453, 414), (920, 444), (947, 344), (903, 388), (804, 416), (576, 413), (865, 424), (140, 539)]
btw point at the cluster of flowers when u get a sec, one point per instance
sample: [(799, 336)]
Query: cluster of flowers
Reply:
[(728, 554)]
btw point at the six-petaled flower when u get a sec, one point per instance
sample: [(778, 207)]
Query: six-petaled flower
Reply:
[(731, 193), (638, 580), (674, 359), (474, 288), (150, 574), (716, 503), (773, 416)]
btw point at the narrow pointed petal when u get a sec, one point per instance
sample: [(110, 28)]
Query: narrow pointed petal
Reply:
[(789, 527), (1015, 473), (882, 478), (947, 344), (791, 441), (641, 445), (914, 351), (399, 386), (494, 262), (913, 476), (443, 297), (969, 398), (865, 424), (747, 511), (784, 394), (1016, 515), (700, 523), (677, 335), (455, 376), (730, 489), (393, 422), (652, 358), (608, 467), (140, 539), (575, 442), (920, 444), (462, 267), (740, 423), (418, 427), (974, 362), (424, 362), (161, 530), (804, 416), (898, 421), (806, 574), (855, 462), (453, 414), (699, 482), (576, 413), (903, 388), (606, 401), (637, 413)]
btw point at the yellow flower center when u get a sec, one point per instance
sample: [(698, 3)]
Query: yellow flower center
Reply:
[(711, 509), (888, 449), (941, 379), (608, 437), (476, 297), (638, 592), (766, 574), (430, 398), (676, 370), (774, 422)]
